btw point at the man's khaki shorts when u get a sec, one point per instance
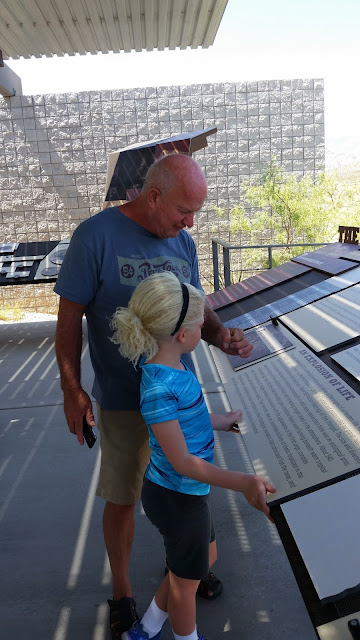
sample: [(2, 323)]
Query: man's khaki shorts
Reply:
[(125, 453)]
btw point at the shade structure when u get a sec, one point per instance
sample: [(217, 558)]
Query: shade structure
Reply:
[(127, 167), (43, 27)]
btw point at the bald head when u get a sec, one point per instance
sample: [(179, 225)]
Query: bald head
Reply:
[(175, 169), (174, 190)]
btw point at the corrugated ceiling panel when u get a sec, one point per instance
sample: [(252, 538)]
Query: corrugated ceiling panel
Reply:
[(162, 22), (122, 18), (150, 24), (190, 19), (200, 24), (176, 24), (110, 25), (213, 23), (48, 27), (137, 17), (14, 31), (56, 25)]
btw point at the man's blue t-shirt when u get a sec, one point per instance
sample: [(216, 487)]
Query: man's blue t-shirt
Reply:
[(171, 394), (109, 254)]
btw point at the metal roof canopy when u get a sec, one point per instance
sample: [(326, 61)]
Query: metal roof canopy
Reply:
[(56, 27)]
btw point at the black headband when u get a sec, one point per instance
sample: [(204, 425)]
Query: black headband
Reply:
[(184, 308)]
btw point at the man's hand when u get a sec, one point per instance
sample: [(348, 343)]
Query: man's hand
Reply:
[(233, 342), (76, 405), (230, 340), (68, 344)]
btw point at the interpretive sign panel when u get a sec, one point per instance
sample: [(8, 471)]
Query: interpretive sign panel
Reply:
[(301, 422), (267, 340), (335, 249), (349, 359), (296, 300), (29, 262), (352, 255), (324, 263), (328, 546), (329, 321), (260, 282)]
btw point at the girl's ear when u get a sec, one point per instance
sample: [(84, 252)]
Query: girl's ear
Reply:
[(181, 335)]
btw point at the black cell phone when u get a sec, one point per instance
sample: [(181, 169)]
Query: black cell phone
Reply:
[(89, 434)]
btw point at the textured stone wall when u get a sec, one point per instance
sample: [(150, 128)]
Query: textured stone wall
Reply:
[(54, 149)]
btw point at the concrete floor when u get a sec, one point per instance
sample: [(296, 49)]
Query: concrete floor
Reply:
[(54, 573)]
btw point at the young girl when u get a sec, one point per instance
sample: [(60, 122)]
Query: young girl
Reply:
[(161, 323)]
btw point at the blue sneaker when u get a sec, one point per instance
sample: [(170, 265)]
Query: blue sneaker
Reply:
[(137, 633)]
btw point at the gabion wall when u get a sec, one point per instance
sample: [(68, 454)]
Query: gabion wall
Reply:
[(54, 149)]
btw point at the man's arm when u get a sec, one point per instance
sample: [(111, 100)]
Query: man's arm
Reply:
[(229, 340), (68, 344)]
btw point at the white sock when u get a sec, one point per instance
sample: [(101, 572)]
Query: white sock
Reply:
[(153, 619), (192, 636)]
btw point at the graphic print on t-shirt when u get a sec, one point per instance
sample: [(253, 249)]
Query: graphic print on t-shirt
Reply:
[(132, 271)]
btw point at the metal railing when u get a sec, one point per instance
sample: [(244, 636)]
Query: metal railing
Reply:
[(216, 242)]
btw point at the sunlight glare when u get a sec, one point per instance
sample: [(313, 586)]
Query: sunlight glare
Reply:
[(62, 625), (84, 529)]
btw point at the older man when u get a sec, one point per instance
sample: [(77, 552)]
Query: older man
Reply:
[(108, 256)]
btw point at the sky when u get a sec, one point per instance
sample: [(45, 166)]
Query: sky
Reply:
[(263, 40)]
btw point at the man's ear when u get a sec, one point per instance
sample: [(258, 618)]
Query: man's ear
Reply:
[(152, 196)]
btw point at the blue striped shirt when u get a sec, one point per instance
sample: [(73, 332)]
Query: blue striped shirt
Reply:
[(170, 394)]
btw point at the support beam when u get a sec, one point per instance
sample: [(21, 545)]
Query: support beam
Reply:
[(10, 83)]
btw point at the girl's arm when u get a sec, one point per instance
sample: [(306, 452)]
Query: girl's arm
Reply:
[(172, 441), (225, 422)]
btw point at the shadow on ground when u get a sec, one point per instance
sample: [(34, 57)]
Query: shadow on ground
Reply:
[(55, 575)]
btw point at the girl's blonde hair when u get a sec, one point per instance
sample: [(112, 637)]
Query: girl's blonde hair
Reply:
[(152, 314)]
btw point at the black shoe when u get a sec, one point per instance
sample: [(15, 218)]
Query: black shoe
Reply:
[(210, 588), (123, 614)]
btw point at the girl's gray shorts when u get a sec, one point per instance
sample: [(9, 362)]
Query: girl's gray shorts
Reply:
[(186, 525)]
